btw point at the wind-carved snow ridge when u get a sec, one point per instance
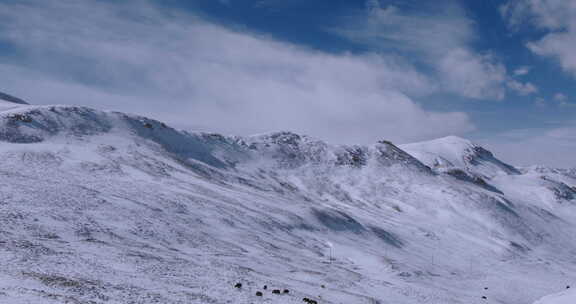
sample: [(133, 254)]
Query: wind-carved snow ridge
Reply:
[(290, 150), (107, 207)]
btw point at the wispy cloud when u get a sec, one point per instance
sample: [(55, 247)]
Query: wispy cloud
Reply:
[(522, 89), (557, 18), (549, 147), (439, 36), (558, 100), (560, 97), (472, 75), (133, 57), (563, 101), (521, 71)]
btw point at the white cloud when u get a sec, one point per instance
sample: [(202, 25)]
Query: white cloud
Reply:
[(560, 97), (562, 100), (439, 36), (472, 75), (131, 57), (558, 18), (540, 102), (521, 71), (559, 46), (550, 147), (558, 100), (522, 89), (549, 14)]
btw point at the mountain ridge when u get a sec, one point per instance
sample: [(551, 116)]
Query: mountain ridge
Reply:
[(100, 206)]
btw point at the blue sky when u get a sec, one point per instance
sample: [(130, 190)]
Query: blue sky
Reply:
[(498, 72)]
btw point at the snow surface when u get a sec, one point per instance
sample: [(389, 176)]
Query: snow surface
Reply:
[(7, 105), (106, 207), (567, 297)]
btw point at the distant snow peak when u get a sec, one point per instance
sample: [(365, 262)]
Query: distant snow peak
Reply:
[(453, 152)]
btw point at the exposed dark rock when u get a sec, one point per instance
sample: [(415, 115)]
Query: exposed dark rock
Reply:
[(387, 237), (337, 220)]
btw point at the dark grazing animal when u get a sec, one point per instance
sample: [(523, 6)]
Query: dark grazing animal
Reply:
[(21, 117), (238, 285), (286, 291), (309, 301), (258, 294), (276, 291)]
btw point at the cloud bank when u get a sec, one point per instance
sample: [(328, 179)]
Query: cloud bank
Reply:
[(138, 58), (440, 36), (552, 147)]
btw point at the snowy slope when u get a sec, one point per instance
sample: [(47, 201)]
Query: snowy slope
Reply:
[(567, 297), (9, 102), (106, 207)]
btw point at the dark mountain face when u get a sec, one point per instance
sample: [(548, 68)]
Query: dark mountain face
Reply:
[(10, 98)]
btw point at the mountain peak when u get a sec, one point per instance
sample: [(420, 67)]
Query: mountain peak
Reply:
[(291, 150), (456, 142), (280, 137), (453, 152)]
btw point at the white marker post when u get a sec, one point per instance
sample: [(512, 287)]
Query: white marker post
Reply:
[(330, 250)]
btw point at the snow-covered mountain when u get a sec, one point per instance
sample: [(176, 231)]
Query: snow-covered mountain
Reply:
[(455, 153), (106, 207)]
